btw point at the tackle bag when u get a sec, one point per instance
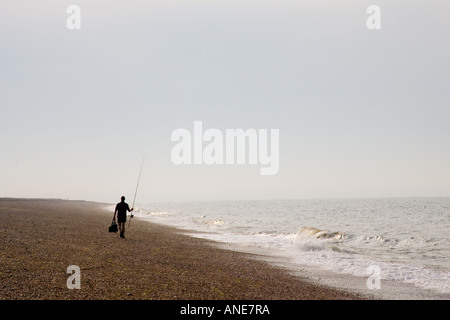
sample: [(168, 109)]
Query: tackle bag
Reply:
[(113, 227)]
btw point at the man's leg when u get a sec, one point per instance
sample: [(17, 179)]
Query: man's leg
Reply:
[(122, 229)]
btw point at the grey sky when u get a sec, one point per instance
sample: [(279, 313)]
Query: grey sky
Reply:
[(361, 112)]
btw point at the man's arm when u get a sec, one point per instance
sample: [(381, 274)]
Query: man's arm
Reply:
[(129, 210), (114, 217)]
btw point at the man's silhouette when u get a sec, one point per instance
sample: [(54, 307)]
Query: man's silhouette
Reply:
[(121, 209)]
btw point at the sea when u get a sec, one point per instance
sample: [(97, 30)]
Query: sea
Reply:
[(392, 248)]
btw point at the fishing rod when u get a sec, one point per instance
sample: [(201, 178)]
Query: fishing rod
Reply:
[(137, 186)]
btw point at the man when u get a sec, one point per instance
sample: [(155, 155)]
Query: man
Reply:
[(121, 209)]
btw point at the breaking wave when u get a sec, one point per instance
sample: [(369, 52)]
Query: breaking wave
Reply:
[(307, 232), (313, 239)]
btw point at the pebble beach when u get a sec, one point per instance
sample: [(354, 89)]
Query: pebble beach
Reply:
[(40, 239)]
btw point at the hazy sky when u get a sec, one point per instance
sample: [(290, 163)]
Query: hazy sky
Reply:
[(361, 113)]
